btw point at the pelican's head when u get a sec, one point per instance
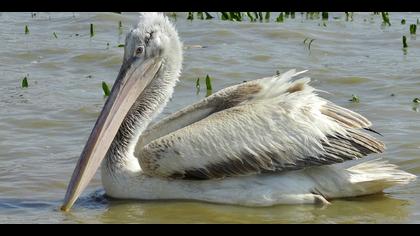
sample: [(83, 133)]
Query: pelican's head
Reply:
[(152, 50)]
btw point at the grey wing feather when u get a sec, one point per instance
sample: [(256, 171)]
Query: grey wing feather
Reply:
[(261, 134)]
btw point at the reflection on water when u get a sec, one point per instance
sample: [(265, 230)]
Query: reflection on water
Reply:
[(44, 127)]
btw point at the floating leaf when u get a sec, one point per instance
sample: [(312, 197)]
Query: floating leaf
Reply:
[(105, 88), (413, 28), (26, 29), (92, 32), (354, 98), (55, 35), (25, 82), (404, 40)]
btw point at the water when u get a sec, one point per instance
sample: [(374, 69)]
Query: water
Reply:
[(43, 128)]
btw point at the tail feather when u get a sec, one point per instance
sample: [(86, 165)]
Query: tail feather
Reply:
[(350, 179)]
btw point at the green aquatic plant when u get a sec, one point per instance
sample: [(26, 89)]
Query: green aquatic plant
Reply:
[(325, 15), (404, 41), (267, 16), (120, 28), (190, 16), (208, 83), (354, 98), (208, 86), (120, 45), (105, 88), (403, 21), (251, 18), (25, 82), (235, 16), (416, 100), (413, 28), (260, 16), (172, 14), (55, 35), (26, 29), (208, 16), (385, 18), (349, 16), (280, 18), (309, 44), (225, 16), (200, 15), (92, 32), (197, 83)]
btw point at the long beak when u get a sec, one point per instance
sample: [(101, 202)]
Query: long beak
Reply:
[(133, 77)]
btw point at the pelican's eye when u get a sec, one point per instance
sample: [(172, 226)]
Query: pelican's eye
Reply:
[(139, 50)]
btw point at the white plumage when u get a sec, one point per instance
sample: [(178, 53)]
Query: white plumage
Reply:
[(260, 143)]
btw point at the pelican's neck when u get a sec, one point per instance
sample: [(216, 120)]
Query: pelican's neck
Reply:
[(150, 103)]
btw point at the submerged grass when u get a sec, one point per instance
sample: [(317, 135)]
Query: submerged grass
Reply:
[(26, 29), (416, 100)]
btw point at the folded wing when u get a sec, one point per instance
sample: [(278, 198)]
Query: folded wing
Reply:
[(268, 125)]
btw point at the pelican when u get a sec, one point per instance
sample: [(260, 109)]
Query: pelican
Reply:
[(260, 143)]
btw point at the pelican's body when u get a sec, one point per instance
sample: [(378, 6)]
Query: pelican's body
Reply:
[(260, 143)]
